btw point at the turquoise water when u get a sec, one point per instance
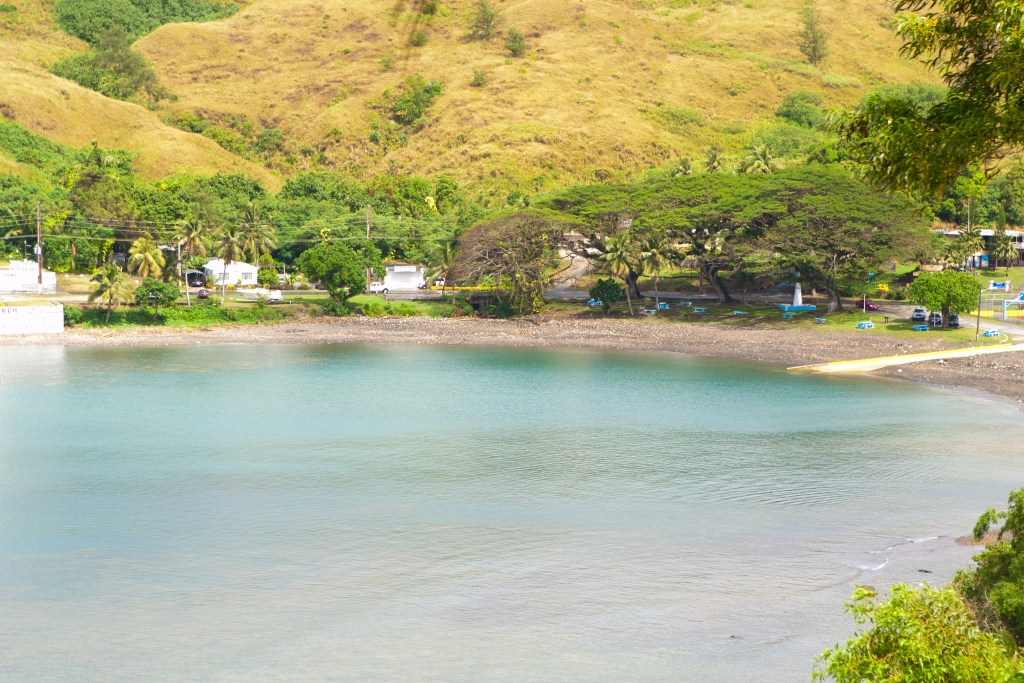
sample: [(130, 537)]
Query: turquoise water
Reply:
[(443, 514)]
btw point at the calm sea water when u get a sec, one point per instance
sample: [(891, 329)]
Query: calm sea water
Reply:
[(439, 514)]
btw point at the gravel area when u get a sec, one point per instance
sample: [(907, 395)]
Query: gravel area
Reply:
[(1002, 374)]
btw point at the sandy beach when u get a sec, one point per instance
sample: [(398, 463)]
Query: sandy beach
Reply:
[(1001, 374)]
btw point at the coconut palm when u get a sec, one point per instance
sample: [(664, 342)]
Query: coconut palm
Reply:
[(228, 249), (760, 160), (112, 286), (442, 265), (621, 256), (1002, 247), (971, 243), (191, 239), (714, 161), (654, 258), (145, 257), (256, 234)]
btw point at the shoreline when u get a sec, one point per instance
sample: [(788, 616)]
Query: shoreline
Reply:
[(1000, 375)]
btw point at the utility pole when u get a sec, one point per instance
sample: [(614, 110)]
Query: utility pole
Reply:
[(39, 246), (368, 239), (188, 300), (977, 325)]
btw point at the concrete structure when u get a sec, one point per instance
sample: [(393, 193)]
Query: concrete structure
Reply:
[(401, 277), (22, 277), (238, 273), (31, 319)]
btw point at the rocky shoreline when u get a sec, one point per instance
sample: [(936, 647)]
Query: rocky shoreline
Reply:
[(1002, 374)]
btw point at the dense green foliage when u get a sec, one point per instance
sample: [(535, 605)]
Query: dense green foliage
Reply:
[(817, 220), (608, 292), (949, 291), (802, 108), (155, 294), (925, 635), (90, 19), (204, 314), (413, 98), (340, 270), (995, 589), (920, 146), (112, 68)]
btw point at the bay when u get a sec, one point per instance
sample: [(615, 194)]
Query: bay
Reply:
[(353, 513)]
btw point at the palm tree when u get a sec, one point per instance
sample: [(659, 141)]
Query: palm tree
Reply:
[(655, 257), (760, 160), (442, 264), (229, 250), (191, 239), (971, 243), (714, 161), (621, 256), (1002, 247), (256, 234), (145, 257), (112, 285)]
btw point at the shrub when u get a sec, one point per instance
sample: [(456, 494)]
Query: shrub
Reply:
[(515, 42), (374, 309), (479, 78), (413, 99), (786, 140), (72, 316), (419, 39), (90, 19), (112, 68), (485, 21), (608, 292), (402, 309), (429, 8), (387, 63), (802, 108), (8, 8)]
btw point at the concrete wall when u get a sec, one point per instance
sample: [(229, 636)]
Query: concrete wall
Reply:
[(31, 319)]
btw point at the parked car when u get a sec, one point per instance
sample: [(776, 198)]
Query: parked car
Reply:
[(869, 305), (378, 288), (919, 315), (203, 294), (935, 319), (954, 320)]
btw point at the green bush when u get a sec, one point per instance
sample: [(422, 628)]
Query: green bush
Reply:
[(802, 108), (112, 68), (374, 309), (387, 63), (787, 140), (608, 292), (72, 316), (485, 21), (90, 19), (402, 309), (419, 39), (414, 97), (479, 78), (515, 42), (205, 314), (8, 8)]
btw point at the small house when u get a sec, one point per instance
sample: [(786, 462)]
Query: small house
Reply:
[(235, 273), (402, 277), (23, 277)]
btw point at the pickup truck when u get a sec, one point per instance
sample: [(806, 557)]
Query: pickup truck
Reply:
[(378, 288)]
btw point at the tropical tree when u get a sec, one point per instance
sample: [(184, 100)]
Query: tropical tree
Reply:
[(949, 291), (607, 291), (760, 160), (112, 286), (228, 249), (1002, 247), (442, 265), (714, 159), (191, 237), (655, 257), (485, 21), (156, 294), (256, 234), (622, 258), (922, 148), (145, 257), (971, 243), (813, 38), (339, 269)]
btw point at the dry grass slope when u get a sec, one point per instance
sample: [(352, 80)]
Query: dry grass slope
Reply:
[(587, 102)]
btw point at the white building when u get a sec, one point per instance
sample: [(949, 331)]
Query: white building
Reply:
[(399, 277), (23, 277), (237, 273)]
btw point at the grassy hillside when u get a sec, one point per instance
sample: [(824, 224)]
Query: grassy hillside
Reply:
[(607, 88), (68, 113)]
